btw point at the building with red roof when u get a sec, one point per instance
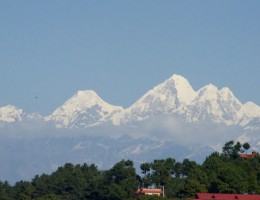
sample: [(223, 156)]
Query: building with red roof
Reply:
[(149, 191), (247, 156), (211, 196)]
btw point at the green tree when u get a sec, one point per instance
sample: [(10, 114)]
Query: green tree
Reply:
[(177, 169), (192, 186), (48, 197), (228, 148), (162, 171), (246, 146), (187, 166), (23, 190), (252, 181), (231, 150), (146, 179), (198, 173), (236, 150), (121, 181), (42, 185), (232, 179), (5, 190), (145, 167)]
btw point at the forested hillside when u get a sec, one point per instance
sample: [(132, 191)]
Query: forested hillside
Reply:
[(224, 172)]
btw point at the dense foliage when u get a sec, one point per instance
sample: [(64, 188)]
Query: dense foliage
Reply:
[(222, 172)]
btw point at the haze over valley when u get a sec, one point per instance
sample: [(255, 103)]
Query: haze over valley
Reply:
[(170, 120)]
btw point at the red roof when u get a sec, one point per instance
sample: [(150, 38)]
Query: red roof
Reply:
[(147, 190), (247, 156), (211, 196)]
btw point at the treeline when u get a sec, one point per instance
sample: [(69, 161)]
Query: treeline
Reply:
[(222, 172)]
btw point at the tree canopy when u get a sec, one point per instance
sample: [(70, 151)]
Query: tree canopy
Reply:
[(222, 172)]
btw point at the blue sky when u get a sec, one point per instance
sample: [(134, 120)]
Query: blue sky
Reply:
[(121, 49)]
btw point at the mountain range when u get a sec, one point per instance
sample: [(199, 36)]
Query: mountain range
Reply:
[(174, 97), (170, 120)]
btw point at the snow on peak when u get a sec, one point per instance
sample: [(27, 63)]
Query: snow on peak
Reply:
[(184, 90), (228, 96), (84, 98), (211, 92), (164, 98), (86, 93), (210, 88), (208, 92), (173, 97), (178, 79), (87, 99), (225, 90), (226, 93), (10, 113), (34, 116), (83, 109), (217, 105), (178, 87), (250, 109)]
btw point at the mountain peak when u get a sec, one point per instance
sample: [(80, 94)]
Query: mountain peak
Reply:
[(210, 87), (251, 109), (177, 77), (209, 91), (9, 107), (181, 87), (175, 97), (83, 109), (172, 94), (226, 93), (10, 113), (86, 93), (178, 81), (85, 98), (250, 104), (225, 89)]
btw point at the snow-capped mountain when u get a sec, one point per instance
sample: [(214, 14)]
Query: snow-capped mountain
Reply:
[(9, 114), (250, 109), (250, 116), (215, 105), (84, 109), (170, 120), (174, 97), (165, 98)]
